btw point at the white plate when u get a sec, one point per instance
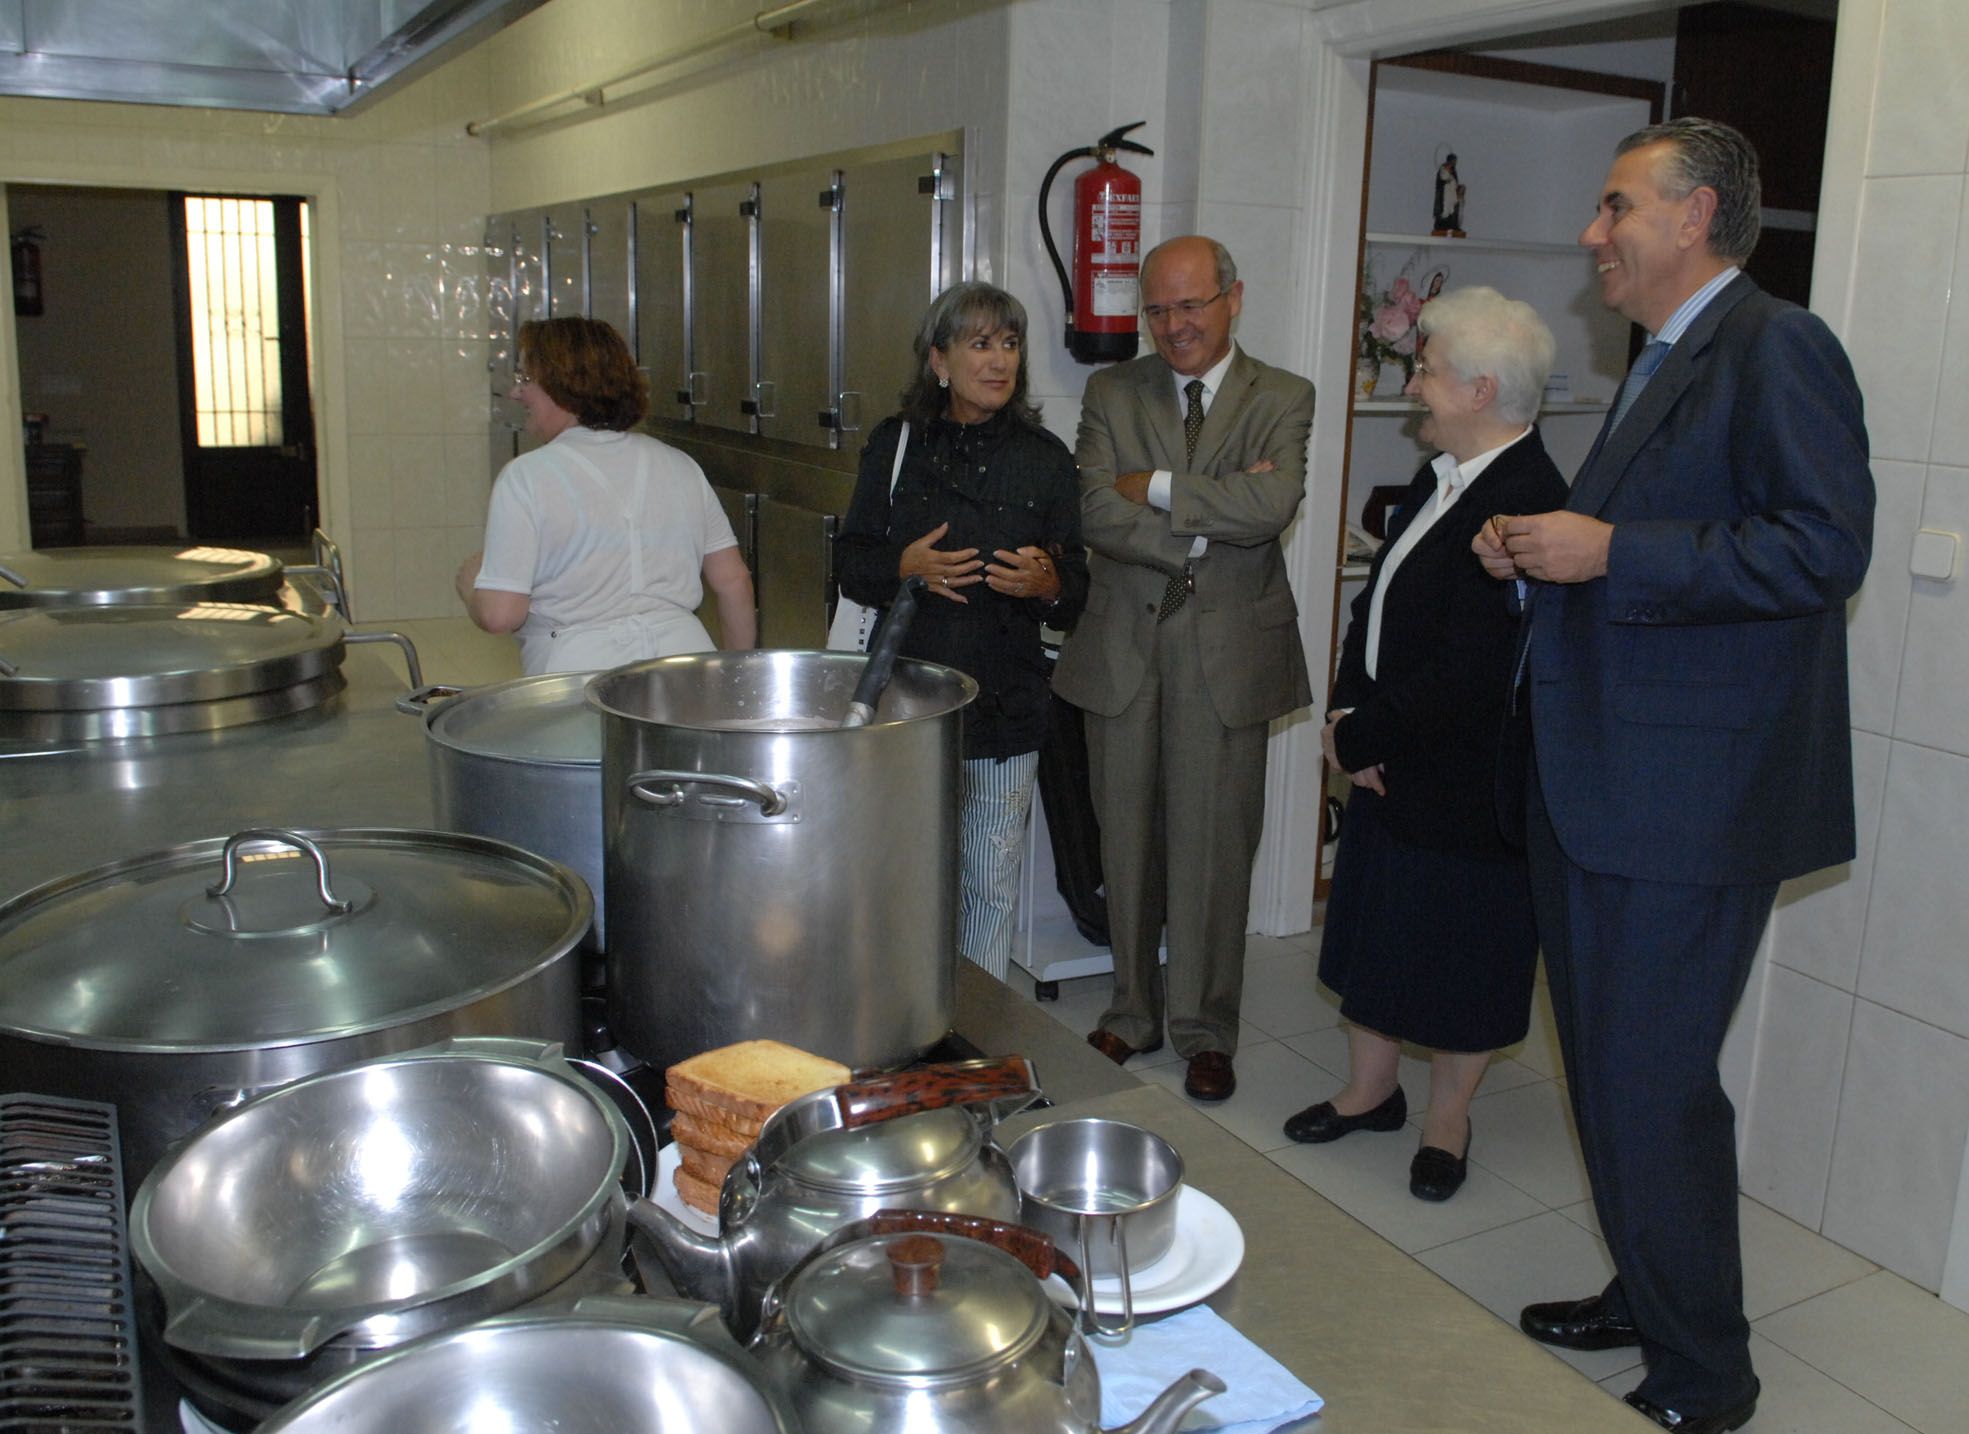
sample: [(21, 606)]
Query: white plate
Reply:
[(1207, 1251), (667, 1198)]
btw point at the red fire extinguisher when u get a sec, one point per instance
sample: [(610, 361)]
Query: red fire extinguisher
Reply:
[(25, 251), (1104, 294)]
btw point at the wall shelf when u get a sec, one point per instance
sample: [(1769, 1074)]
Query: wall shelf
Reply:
[(1478, 244), (1406, 406)]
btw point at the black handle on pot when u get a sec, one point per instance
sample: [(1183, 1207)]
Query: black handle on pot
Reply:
[(882, 657)]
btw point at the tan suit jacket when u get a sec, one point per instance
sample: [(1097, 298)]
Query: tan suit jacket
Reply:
[(1254, 663)]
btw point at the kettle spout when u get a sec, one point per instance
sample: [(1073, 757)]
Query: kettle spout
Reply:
[(1168, 1408), (699, 1267)]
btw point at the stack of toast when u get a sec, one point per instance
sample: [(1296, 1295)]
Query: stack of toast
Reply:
[(721, 1099)]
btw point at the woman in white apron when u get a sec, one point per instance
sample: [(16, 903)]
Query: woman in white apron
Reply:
[(599, 545)]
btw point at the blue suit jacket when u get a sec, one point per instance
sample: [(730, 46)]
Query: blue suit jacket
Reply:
[(1688, 709)]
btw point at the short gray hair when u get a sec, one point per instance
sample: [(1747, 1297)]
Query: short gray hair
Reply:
[(1709, 153), (1490, 334), (1226, 265)]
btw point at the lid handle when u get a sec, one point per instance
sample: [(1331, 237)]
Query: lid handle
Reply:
[(915, 1264), (293, 839)]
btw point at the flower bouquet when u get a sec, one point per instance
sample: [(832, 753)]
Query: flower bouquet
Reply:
[(1387, 330)]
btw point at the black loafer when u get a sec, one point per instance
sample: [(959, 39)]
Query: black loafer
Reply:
[(1735, 1417), (1317, 1124), (1435, 1174), (1579, 1324)]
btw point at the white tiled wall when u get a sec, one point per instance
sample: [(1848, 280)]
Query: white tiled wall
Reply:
[(1869, 1014)]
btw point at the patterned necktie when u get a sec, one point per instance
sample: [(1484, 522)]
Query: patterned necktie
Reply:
[(1177, 591), (1637, 379)]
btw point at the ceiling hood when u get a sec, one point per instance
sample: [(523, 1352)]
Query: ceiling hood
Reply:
[(315, 57)]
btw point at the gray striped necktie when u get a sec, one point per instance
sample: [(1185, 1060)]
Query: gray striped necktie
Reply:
[(1177, 590), (1637, 379)]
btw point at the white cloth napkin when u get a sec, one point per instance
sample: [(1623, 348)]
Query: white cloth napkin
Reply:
[(1260, 1393)]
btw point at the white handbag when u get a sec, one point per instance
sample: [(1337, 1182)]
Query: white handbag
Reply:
[(854, 622)]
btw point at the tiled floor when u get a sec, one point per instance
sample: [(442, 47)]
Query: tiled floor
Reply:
[(1841, 1346)]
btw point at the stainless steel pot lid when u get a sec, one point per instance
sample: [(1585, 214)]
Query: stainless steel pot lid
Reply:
[(95, 577), (92, 658), (544, 720), (915, 1307), (912, 1150), (320, 935)]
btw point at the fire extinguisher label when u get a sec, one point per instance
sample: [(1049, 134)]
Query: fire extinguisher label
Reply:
[(1115, 227), (1115, 295)]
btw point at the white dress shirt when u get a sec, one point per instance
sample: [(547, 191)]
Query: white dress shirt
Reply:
[(1160, 481)]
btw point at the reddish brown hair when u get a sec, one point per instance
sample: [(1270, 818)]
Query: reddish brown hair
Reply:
[(585, 367)]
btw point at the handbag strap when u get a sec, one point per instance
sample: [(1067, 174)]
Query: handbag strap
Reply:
[(902, 442)]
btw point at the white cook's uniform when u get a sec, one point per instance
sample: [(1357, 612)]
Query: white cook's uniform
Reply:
[(606, 534)]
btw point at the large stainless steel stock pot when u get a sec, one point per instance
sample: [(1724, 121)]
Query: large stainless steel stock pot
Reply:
[(520, 761), (770, 873), (180, 981)]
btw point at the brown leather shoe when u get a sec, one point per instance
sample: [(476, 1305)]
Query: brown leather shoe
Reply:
[(1116, 1049), (1211, 1077)]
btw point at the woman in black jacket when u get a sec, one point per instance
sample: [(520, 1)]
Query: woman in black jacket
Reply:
[(986, 508), (1428, 932)]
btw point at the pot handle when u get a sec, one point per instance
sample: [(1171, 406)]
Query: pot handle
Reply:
[(772, 801), (294, 839), (1117, 1235), (408, 647), (11, 576), (415, 704), (1031, 1248), (865, 1102)]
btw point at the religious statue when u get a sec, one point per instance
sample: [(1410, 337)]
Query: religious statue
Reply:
[(1450, 192)]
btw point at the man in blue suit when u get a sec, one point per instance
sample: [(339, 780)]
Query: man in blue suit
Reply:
[(1683, 660)]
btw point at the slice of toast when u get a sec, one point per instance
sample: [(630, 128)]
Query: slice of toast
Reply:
[(695, 1106), (704, 1165), (695, 1192), (751, 1079), (710, 1136)]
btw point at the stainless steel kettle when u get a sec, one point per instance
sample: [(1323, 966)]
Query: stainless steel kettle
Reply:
[(876, 1333), (919, 1139)]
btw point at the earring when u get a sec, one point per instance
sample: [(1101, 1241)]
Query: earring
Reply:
[(943, 383)]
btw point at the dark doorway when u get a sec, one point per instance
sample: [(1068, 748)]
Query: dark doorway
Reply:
[(246, 418)]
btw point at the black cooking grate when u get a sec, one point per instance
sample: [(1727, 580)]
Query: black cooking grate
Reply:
[(68, 1335)]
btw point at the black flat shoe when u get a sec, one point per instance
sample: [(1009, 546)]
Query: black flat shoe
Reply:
[(1317, 1124), (1579, 1324), (1735, 1417), (1435, 1174)]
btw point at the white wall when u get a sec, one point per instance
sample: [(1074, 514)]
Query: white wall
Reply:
[(399, 339)]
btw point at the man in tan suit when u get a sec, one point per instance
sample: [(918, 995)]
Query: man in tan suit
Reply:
[(1192, 462)]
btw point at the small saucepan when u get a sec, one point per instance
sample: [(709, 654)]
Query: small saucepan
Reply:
[(1106, 1188)]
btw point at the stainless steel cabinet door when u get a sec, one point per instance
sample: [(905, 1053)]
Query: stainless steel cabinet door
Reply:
[(610, 288), (663, 331), (795, 233), (721, 304), (792, 575), (900, 249)]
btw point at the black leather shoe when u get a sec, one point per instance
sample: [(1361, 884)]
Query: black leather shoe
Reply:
[(1578, 1324), (1435, 1174), (1317, 1124), (1735, 1417)]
